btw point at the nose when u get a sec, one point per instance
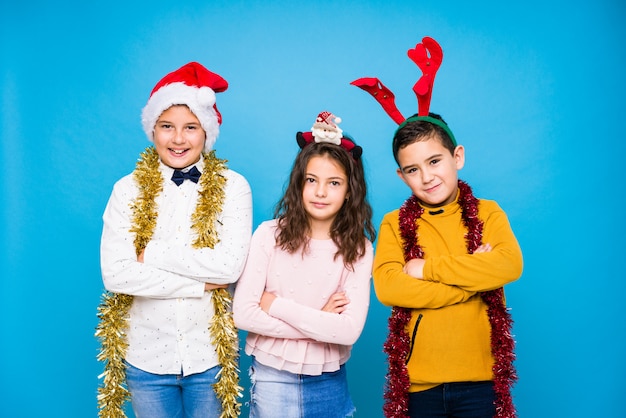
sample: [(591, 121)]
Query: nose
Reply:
[(427, 176), (178, 137), (320, 190)]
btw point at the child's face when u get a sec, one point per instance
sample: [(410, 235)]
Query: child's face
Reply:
[(179, 137), (324, 192), (430, 171)]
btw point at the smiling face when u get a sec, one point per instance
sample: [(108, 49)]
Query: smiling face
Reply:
[(324, 192), (430, 171), (179, 137)]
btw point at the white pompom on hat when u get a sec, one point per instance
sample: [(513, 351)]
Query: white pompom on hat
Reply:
[(191, 85)]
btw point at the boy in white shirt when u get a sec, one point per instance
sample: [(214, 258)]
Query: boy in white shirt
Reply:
[(176, 234)]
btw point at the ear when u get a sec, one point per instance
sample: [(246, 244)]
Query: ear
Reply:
[(459, 157), (301, 140), (401, 175), (356, 152)]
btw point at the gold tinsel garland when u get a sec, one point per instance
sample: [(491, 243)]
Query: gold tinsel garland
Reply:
[(114, 308)]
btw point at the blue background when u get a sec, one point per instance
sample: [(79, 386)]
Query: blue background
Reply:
[(534, 90)]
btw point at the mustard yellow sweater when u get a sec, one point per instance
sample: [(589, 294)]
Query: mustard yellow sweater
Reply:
[(449, 327)]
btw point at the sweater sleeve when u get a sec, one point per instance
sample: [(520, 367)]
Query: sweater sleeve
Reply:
[(344, 328), (247, 312), (484, 271), (395, 288)]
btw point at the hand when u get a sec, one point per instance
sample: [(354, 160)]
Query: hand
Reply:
[(415, 268), (337, 303), (140, 256), (485, 248), (210, 286), (266, 301)]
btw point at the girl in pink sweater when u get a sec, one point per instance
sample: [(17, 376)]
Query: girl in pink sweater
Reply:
[(304, 293)]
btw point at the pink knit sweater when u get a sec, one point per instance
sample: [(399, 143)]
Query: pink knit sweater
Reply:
[(296, 335)]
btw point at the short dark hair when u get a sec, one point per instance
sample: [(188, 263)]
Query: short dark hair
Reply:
[(419, 130)]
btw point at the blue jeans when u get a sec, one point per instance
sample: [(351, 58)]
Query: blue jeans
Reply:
[(278, 393), (454, 400), (171, 395)]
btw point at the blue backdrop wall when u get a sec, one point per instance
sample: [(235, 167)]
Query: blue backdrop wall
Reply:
[(534, 90)]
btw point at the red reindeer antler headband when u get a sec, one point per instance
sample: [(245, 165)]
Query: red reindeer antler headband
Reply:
[(428, 56)]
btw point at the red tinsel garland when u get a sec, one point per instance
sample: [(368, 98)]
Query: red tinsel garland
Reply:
[(398, 341)]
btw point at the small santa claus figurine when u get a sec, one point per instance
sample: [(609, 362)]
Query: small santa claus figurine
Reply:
[(325, 128)]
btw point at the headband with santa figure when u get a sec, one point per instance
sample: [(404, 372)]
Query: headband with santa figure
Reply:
[(428, 56), (326, 129)]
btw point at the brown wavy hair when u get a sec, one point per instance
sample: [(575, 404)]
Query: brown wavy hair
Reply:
[(353, 223)]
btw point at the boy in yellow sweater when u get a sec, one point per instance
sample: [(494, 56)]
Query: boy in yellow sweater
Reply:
[(450, 360), (441, 262)]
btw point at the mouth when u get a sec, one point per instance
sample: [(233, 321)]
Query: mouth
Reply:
[(432, 189), (319, 205), (178, 152)]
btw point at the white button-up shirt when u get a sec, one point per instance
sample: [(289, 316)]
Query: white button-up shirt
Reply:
[(171, 313)]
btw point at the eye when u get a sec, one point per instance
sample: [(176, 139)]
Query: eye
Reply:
[(165, 125), (309, 180), (411, 170), (434, 161), (335, 183)]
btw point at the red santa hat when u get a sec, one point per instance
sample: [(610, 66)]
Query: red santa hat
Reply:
[(326, 118), (191, 85)]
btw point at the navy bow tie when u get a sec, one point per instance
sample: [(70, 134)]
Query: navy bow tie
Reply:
[(178, 177)]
